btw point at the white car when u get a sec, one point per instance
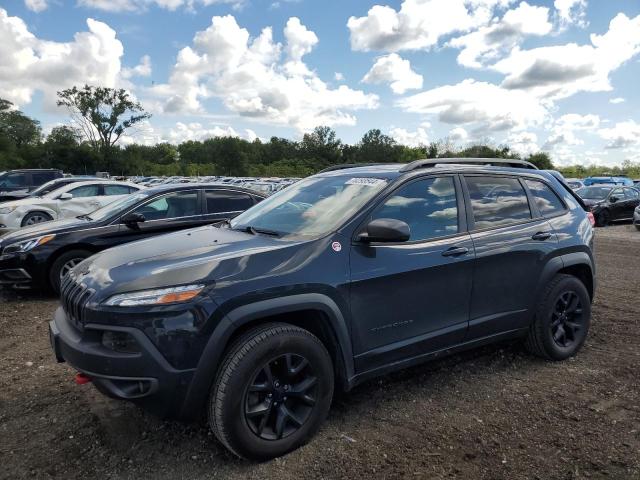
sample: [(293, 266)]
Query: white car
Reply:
[(79, 198)]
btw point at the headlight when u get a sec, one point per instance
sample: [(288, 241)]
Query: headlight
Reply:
[(6, 210), (27, 245), (161, 296)]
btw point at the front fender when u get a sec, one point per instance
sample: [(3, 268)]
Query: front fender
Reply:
[(237, 318)]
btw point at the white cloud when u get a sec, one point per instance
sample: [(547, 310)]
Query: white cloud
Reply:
[(564, 130), (617, 100), (338, 77), (525, 143), (563, 70), (28, 63), (489, 42), (36, 5), (572, 12), (117, 6), (252, 79), (484, 106), (147, 134), (396, 71), (458, 134), (622, 135), (419, 24), (411, 139), (143, 69)]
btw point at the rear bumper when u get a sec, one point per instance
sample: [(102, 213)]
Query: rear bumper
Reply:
[(145, 377)]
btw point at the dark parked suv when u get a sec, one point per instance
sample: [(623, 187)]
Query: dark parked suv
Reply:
[(343, 276), (16, 184)]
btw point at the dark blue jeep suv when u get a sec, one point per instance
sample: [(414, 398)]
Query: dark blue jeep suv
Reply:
[(343, 276)]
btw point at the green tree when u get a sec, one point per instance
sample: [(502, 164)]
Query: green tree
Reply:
[(322, 144), (103, 115), (542, 160), (378, 147), (18, 127)]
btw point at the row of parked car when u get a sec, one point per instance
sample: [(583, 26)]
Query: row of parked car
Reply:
[(611, 199), (263, 185), (49, 230)]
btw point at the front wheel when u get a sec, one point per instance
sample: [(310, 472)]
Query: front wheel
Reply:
[(272, 392), (562, 320), (33, 218), (603, 218), (63, 264)]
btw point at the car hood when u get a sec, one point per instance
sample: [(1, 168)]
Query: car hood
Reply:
[(45, 228), (201, 255)]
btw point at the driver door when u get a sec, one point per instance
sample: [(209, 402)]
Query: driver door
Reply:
[(411, 298)]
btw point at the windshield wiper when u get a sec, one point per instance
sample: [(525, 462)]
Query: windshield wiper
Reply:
[(254, 231)]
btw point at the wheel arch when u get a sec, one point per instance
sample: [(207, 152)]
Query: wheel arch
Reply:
[(314, 312), (46, 211)]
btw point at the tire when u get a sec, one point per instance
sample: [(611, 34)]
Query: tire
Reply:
[(637, 226), (65, 261), (233, 404), (603, 219), (33, 218), (552, 334)]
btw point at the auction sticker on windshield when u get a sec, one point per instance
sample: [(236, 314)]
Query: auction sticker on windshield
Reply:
[(369, 182)]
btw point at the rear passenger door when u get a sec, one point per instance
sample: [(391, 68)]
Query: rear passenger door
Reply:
[(512, 243), (224, 204)]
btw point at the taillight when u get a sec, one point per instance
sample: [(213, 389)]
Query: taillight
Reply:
[(591, 218)]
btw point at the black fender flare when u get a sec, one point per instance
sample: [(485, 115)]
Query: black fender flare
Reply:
[(206, 370), (556, 264)]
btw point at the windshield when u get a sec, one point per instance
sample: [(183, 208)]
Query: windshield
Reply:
[(50, 186), (117, 207), (595, 193), (311, 207)]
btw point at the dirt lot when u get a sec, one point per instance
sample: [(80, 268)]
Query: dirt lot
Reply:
[(496, 413)]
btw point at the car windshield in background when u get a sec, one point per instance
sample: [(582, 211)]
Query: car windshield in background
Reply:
[(46, 188), (594, 193), (311, 207), (117, 207)]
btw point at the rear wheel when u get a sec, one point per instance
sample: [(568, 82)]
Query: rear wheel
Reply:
[(33, 218), (562, 320), (272, 392), (63, 264)]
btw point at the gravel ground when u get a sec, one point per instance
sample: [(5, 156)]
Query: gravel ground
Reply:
[(493, 413)]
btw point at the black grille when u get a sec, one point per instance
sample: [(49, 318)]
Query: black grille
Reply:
[(74, 297)]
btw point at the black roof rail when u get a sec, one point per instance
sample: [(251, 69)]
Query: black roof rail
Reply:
[(500, 162), (344, 166)]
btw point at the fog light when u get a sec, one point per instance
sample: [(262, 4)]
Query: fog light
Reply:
[(120, 342)]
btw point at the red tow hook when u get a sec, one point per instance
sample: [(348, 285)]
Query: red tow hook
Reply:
[(81, 378)]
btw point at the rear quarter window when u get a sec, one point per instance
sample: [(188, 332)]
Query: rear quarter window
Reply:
[(547, 201)]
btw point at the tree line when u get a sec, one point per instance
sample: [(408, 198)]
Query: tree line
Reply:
[(99, 117)]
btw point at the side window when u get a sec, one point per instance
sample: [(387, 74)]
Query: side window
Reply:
[(497, 201), (117, 190), (219, 201), (631, 194), (40, 178), (85, 191), (14, 180), (546, 199), (174, 205), (428, 206), (618, 192)]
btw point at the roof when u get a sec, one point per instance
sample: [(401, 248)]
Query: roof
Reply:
[(168, 187), (393, 170)]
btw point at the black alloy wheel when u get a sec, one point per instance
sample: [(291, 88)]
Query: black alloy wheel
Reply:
[(566, 319), (281, 397)]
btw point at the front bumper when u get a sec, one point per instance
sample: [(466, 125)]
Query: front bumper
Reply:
[(21, 270), (145, 378)]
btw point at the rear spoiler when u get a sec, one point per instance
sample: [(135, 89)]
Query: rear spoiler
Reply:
[(566, 186)]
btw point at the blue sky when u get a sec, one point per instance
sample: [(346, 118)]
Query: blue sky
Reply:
[(556, 75)]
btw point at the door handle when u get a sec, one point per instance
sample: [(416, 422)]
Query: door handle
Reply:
[(455, 252), (541, 236)]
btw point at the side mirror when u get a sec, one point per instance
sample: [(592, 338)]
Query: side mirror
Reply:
[(65, 196), (613, 199), (386, 230), (132, 219)]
